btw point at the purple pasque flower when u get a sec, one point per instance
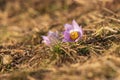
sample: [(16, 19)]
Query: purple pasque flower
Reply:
[(72, 32), (51, 38)]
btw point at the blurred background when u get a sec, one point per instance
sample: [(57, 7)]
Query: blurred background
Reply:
[(20, 17)]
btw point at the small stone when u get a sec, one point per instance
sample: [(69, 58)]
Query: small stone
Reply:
[(7, 59)]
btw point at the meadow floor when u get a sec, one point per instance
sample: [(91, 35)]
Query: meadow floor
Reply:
[(23, 56)]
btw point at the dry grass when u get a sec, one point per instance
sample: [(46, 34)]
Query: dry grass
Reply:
[(23, 56)]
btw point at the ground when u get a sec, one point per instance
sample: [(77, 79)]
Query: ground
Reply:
[(23, 55)]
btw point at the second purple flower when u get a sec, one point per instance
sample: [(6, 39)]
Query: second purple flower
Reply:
[(51, 39)]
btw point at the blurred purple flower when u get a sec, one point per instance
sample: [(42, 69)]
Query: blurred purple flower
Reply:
[(72, 32), (51, 39)]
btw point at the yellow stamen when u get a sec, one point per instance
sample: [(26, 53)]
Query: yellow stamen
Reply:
[(74, 35)]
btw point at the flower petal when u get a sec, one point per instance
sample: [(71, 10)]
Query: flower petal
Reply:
[(53, 34), (75, 25), (46, 40), (77, 39), (68, 27), (67, 37), (50, 33)]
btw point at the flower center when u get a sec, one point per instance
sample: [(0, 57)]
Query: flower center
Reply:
[(74, 35)]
